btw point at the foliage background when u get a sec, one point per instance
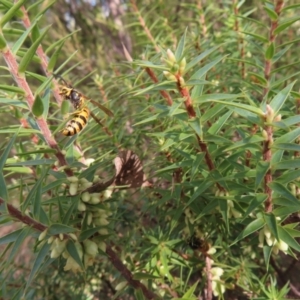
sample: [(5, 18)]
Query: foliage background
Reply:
[(222, 173)]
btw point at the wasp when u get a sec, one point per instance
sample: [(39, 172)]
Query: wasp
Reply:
[(82, 112)]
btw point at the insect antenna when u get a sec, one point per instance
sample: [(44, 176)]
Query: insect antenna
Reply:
[(58, 76)]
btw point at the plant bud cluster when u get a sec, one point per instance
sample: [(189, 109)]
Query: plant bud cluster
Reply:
[(218, 286), (266, 235)]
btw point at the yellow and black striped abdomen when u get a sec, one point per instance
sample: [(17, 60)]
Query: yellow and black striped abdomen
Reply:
[(76, 124)]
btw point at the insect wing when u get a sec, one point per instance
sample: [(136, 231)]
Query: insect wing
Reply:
[(103, 108)]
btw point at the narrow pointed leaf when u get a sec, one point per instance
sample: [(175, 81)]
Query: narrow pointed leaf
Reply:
[(13, 11), (27, 58)]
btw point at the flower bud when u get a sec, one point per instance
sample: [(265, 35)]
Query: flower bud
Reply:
[(81, 206), (72, 179), (95, 198), (73, 236), (73, 188), (182, 65), (217, 272), (43, 234), (90, 248), (283, 246), (85, 197), (171, 56), (269, 114), (169, 76), (102, 246), (277, 118)]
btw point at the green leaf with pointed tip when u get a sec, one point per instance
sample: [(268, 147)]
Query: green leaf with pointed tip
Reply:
[(287, 164), (271, 13), (180, 47), (246, 107), (200, 57), (200, 73), (2, 42), (71, 248), (217, 126), (283, 191), (57, 43), (285, 236), (54, 57), (3, 158), (250, 228), (256, 201), (31, 195), (88, 233), (11, 237), (13, 11), (195, 124), (38, 106), (285, 25), (43, 252), (254, 139), (278, 101), (18, 244), (55, 229), (267, 254), (272, 224), (11, 88), (261, 169), (286, 146), (190, 293), (270, 51), (256, 36), (17, 45), (26, 59)]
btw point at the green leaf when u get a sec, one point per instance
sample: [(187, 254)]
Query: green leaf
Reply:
[(217, 126), (26, 59), (88, 233), (286, 146), (54, 57), (195, 124), (200, 74), (285, 236), (271, 13), (261, 169), (11, 88), (267, 254), (190, 293), (17, 45), (2, 42), (278, 101), (272, 224), (250, 228), (196, 165), (287, 164), (38, 106), (254, 139), (180, 47), (285, 25), (24, 233), (256, 202), (11, 237), (3, 158), (200, 57), (36, 205), (55, 229), (71, 248), (246, 107), (13, 11), (43, 252), (283, 191), (256, 36), (270, 51)]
